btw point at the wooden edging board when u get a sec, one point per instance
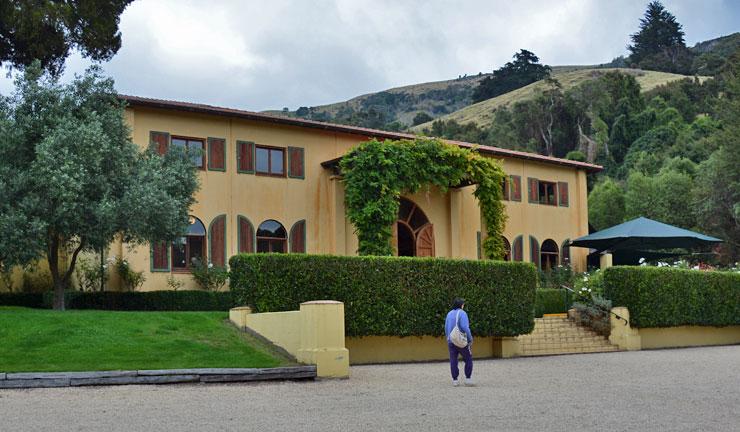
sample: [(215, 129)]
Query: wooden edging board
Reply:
[(163, 376)]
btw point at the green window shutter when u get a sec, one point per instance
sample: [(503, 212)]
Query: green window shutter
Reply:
[(505, 188), (159, 257), (159, 142), (245, 157), (216, 154), (533, 187), (563, 194), (217, 241), (296, 163), (298, 237), (516, 188), (534, 251)]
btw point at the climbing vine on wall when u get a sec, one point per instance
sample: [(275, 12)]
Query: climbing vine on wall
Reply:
[(376, 173)]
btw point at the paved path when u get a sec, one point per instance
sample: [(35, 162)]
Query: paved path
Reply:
[(673, 390)]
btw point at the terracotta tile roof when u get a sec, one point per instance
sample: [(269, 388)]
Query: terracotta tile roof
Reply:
[(354, 130)]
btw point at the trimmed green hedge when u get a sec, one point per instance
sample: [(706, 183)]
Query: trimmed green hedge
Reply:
[(550, 300), (146, 300), (29, 300), (668, 297), (391, 296)]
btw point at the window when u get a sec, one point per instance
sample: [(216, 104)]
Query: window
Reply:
[(549, 255), (270, 161), (191, 248), (547, 193), (505, 189), (272, 237), (195, 148), (507, 249)]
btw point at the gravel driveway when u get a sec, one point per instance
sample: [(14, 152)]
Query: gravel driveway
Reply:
[(675, 390)]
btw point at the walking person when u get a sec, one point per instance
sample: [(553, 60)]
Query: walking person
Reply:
[(457, 317)]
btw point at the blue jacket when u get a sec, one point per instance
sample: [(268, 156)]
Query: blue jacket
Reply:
[(464, 324)]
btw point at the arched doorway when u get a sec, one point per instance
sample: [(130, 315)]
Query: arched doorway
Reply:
[(414, 233), (549, 255), (507, 249)]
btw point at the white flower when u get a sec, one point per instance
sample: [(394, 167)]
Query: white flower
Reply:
[(642, 260), (210, 265), (585, 278)]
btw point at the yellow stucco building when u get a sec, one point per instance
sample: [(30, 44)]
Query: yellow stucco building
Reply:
[(270, 183)]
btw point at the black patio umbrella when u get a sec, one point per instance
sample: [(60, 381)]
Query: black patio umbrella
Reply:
[(643, 234)]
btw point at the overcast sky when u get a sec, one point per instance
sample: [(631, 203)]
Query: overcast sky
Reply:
[(261, 55)]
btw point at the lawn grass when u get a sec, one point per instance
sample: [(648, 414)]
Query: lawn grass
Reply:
[(33, 340)]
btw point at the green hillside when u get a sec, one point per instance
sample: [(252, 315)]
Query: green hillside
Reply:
[(569, 76), (396, 104)]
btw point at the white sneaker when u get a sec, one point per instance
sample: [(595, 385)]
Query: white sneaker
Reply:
[(469, 382), (455, 383)]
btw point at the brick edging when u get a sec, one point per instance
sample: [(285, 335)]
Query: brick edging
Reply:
[(161, 376)]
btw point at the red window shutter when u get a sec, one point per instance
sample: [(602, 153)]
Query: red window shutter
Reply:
[(518, 249), (245, 156), (534, 251), (563, 192), (516, 188), (505, 186), (216, 154), (533, 189), (295, 162), (217, 236), (160, 256), (159, 141), (246, 236), (425, 241), (298, 237)]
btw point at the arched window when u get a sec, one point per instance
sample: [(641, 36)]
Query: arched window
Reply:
[(190, 249), (414, 233), (549, 255), (272, 237), (507, 249)]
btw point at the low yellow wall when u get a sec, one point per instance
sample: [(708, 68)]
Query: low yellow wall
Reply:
[(688, 336), (392, 349), (630, 338), (314, 334)]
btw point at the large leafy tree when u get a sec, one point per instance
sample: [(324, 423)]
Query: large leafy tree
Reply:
[(71, 179), (659, 44), (47, 30), (606, 204), (525, 69)]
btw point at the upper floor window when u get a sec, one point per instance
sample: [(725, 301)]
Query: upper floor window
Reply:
[(270, 161), (547, 193), (195, 148)]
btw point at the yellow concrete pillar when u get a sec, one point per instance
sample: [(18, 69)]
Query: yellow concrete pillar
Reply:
[(238, 316), (322, 338), (622, 334), (506, 347), (606, 260)]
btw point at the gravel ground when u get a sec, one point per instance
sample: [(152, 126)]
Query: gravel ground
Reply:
[(672, 390)]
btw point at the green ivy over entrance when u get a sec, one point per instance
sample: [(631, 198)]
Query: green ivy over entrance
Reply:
[(376, 173)]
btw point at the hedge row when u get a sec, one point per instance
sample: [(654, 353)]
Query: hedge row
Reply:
[(550, 300), (667, 297), (128, 301), (391, 296), (29, 300)]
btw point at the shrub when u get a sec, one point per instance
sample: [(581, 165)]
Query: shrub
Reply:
[(89, 273), (548, 300), (146, 300), (595, 314), (210, 277), (668, 297), (37, 280), (131, 279), (392, 296), (30, 300)]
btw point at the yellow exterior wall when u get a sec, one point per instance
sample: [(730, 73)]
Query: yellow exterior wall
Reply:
[(319, 198), (392, 349), (282, 328)]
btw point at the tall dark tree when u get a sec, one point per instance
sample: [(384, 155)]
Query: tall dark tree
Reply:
[(47, 30), (660, 44), (525, 69)]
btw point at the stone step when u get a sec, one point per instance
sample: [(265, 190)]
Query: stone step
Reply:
[(554, 335)]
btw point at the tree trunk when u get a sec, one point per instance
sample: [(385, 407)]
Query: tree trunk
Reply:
[(52, 257)]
